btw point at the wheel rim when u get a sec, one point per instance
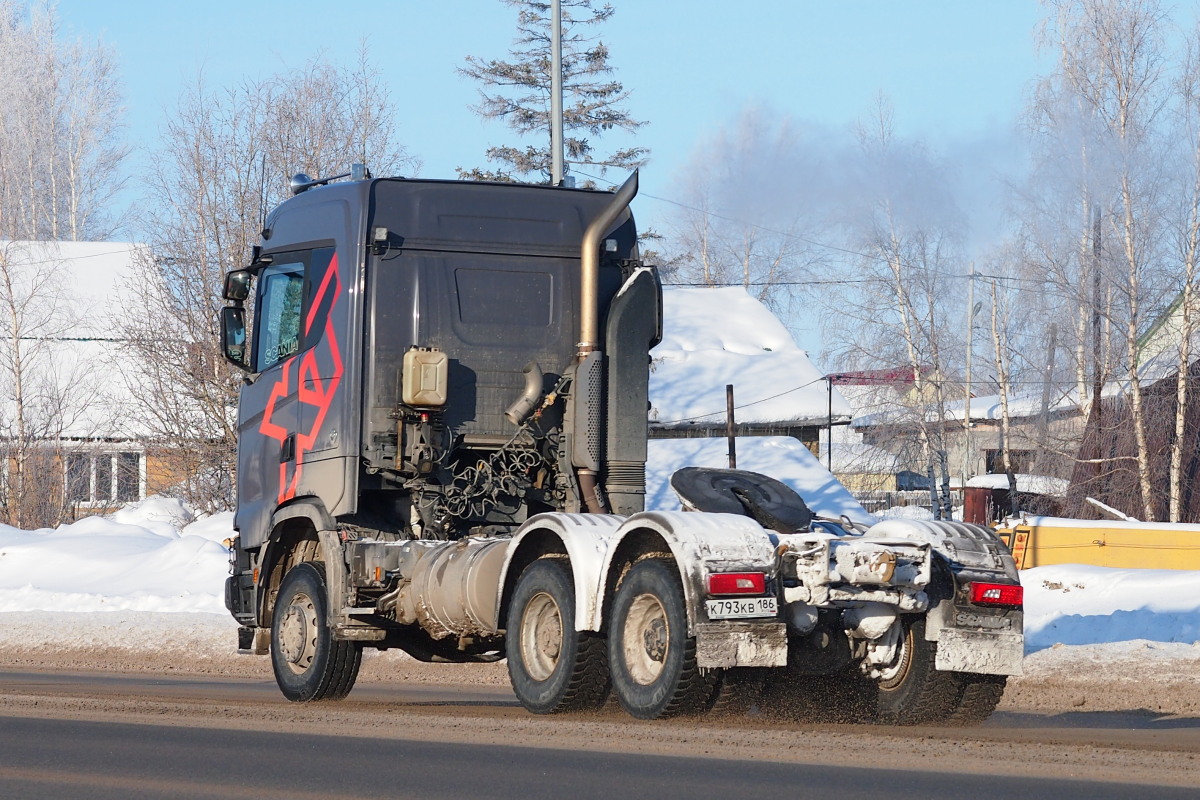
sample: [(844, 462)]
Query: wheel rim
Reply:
[(893, 675), (646, 639), (541, 636), (298, 633)]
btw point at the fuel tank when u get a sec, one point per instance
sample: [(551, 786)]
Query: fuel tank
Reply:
[(453, 588)]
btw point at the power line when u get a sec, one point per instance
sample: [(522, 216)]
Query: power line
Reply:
[(70, 339), (714, 284), (63, 259)]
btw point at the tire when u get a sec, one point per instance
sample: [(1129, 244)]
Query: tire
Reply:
[(552, 667), (912, 691), (650, 655), (979, 697), (737, 691), (308, 663)]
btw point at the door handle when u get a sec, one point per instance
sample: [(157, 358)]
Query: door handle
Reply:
[(287, 450)]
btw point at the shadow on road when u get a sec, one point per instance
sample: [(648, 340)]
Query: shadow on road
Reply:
[(1138, 719)]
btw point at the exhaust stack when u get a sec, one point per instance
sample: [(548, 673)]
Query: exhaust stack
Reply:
[(588, 390), (589, 307)]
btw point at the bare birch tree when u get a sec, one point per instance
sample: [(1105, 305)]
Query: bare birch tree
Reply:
[(1187, 230), (46, 390), (999, 348), (1111, 64), (60, 162), (906, 224), (61, 151)]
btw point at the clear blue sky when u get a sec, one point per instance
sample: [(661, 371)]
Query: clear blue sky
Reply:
[(954, 69)]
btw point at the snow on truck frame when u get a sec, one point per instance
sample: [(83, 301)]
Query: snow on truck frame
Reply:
[(442, 449)]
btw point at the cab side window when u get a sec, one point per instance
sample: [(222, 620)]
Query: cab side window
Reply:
[(280, 312)]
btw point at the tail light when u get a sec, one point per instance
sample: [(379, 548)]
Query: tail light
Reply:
[(997, 594), (737, 583)]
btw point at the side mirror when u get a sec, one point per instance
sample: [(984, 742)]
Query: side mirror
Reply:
[(233, 336), (237, 285)]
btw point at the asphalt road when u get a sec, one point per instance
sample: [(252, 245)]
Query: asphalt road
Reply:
[(118, 736), (42, 758)]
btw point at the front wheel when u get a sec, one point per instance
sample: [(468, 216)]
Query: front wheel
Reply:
[(309, 663), (651, 657), (552, 666)]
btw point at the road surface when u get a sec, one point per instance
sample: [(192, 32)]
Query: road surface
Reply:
[(102, 735)]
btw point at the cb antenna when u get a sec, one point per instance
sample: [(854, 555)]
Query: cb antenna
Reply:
[(262, 192)]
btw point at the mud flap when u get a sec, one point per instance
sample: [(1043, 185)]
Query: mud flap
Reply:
[(984, 653), (741, 644)]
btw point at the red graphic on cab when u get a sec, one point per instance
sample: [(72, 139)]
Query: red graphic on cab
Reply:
[(315, 389)]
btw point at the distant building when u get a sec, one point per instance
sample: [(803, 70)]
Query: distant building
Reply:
[(881, 451), (84, 440), (1111, 436)]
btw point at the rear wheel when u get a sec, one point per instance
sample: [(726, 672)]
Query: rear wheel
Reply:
[(552, 667), (738, 689), (651, 657), (911, 690), (980, 696), (308, 663)]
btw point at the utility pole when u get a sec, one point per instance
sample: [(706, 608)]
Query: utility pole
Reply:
[(1044, 418), (556, 95), (967, 398), (829, 425), (730, 426), (1097, 350)]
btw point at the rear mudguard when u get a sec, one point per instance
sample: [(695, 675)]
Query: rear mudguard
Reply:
[(970, 639)]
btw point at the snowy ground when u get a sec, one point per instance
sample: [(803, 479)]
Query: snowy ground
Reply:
[(144, 589)]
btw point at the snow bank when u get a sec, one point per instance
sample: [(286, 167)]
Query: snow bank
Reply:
[(157, 556), (1074, 604), (150, 556), (195, 635)]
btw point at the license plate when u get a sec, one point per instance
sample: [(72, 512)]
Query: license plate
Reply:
[(736, 607)]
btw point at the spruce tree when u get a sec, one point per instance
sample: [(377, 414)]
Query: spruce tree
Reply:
[(517, 91)]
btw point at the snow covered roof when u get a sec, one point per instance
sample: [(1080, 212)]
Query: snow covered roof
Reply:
[(1020, 406), (1159, 347), (1032, 484), (986, 408), (779, 457), (89, 276), (722, 335), (72, 338)]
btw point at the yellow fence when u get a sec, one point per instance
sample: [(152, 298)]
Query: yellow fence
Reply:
[(1041, 541)]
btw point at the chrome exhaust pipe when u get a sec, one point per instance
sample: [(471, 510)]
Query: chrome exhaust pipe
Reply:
[(589, 281)]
